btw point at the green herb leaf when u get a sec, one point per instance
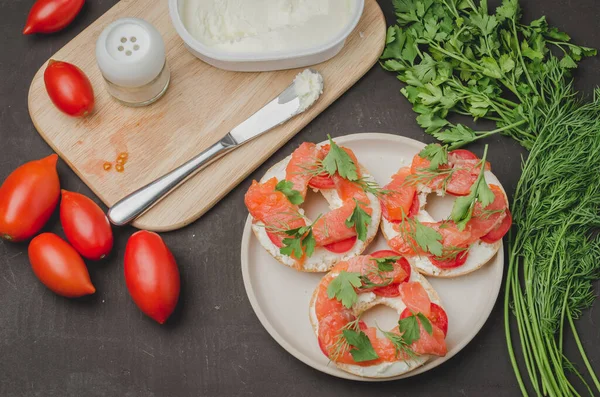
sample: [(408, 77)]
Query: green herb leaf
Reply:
[(292, 247), (394, 43), (301, 240), (362, 349), (409, 328), (462, 211), (286, 187), (436, 154), (428, 239), (338, 160), (567, 62), (309, 243), (425, 323), (360, 220), (457, 136), (342, 288), (491, 67), (386, 264)]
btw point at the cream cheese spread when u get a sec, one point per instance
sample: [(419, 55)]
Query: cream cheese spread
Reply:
[(265, 25)]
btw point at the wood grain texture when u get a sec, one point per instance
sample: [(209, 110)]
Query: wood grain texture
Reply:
[(201, 105)]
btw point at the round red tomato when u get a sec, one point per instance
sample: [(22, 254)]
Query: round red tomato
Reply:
[(463, 154), (390, 291), (340, 247), (437, 317), (48, 16), (457, 261), (321, 181), (499, 231), (59, 267), (27, 198), (85, 225), (69, 88), (151, 275)]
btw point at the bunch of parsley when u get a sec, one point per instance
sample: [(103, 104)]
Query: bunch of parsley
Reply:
[(456, 57)]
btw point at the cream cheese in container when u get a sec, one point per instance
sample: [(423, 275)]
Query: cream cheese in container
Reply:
[(130, 53), (263, 35)]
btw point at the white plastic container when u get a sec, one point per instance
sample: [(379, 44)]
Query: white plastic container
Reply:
[(264, 61)]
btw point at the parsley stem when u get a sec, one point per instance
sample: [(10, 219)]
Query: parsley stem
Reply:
[(518, 47)]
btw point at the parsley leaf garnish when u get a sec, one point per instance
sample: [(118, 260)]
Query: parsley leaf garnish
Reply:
[(462, 211), (409, 333), (360, 220), (301, 241), (428, 238), (386, 264), (425, 323), (436, 154), (292, 195), (338, 160), (342, 288), (362, 349), (409, 327)]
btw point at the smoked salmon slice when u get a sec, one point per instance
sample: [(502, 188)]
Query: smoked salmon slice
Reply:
[(272, 208), (302, 166), (396, 204), (415, 297)]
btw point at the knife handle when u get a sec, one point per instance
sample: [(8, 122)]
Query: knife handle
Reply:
[(136, 203)]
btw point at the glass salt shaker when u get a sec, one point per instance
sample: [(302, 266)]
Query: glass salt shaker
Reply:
[(130, 53)]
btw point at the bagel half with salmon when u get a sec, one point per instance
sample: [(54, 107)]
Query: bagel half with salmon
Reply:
[(355, 347), (445, 248), (281, 225)]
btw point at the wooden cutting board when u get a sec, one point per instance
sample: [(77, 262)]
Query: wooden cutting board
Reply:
[(201, 105)]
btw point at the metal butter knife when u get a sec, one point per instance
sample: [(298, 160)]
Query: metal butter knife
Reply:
[(276, 112)]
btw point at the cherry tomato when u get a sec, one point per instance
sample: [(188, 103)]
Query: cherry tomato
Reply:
[(459, 260), (391, 290), (437, 317), (499, 231), (69, 88), (48, 16), (151, 275), (27, 198), (340, 247), (59, 267), (321, 181), (85, 225)]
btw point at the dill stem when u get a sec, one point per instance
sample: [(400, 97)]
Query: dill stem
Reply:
[(514, 287), (582, 352), (548, 381)]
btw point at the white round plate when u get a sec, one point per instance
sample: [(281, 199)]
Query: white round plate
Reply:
[(280, 296)]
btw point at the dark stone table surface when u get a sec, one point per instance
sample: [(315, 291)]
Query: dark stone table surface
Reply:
[(214, 345)]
